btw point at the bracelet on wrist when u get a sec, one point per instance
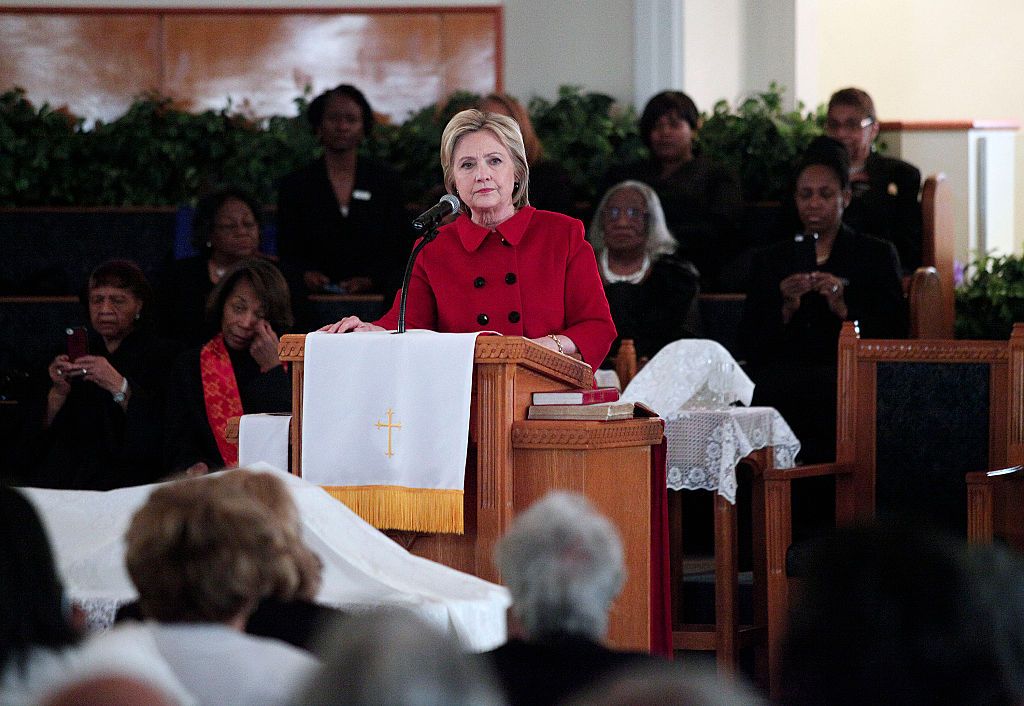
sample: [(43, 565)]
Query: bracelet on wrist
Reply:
[(558, 343)]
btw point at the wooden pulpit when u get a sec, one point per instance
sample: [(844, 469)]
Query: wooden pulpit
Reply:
[(514, 461)]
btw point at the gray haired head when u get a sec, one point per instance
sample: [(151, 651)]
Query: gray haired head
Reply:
[(392, 657), (562, 562), (659, 238)]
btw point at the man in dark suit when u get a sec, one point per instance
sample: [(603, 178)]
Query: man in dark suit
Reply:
[(885, 189), (563, 565)]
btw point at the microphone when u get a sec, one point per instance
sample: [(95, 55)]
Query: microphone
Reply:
[(427, 220)]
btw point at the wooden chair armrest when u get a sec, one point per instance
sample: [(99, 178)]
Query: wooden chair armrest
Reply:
[(813, 470), (925, 303), (1013, 474)]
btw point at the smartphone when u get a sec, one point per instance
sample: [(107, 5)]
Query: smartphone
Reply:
[(78, 342), (805, 257)]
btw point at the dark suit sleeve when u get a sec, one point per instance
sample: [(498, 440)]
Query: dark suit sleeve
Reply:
[(761, 330), (908, 216), (876, 298), (186, 433)]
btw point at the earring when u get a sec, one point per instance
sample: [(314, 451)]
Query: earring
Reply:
[(209, 244), (138, 316), (515, 186)]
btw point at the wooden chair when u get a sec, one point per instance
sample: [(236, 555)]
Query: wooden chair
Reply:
[(938, 250), (912, 417)]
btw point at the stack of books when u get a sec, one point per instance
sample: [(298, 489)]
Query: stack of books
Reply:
[(601, 404)]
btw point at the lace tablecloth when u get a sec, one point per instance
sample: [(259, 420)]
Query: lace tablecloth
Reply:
[(704, 446)]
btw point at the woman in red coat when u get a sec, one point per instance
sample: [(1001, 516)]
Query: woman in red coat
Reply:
[(503, 265)]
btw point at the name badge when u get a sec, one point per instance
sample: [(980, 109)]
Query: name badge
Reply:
[(361, 195)]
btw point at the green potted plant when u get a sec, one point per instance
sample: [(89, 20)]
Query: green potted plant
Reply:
[(991, 298)]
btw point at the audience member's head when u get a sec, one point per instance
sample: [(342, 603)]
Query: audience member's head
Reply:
[(562, 562), (117, 297), (33, 609), (505, 130), (201, 551), (897, 615), (822, 186), (852, 120), (254, 289), (394, 657), (340, 114), (668, 125), (629, 217), (226, 225), (271, 492), (666, 683), (504, 104), (109, 689)]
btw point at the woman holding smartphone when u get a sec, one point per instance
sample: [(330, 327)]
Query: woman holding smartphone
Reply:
[(801, 291), (100, 425)]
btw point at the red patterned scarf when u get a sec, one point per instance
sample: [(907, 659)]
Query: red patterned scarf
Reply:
[(220, 391)]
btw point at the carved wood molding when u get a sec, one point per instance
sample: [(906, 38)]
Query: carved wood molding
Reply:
[(292, 346), (514, 349), (542, 434), (927, 351)]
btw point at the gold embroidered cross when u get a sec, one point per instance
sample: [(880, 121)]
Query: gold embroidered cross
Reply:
[(389, 426)]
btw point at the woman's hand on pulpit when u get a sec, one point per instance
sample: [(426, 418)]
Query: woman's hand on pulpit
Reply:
[(350, 323)]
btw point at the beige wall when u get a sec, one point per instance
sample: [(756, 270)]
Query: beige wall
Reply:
[(929, 60)]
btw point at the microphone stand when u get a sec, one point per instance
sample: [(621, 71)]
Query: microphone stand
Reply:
[(427, 238)]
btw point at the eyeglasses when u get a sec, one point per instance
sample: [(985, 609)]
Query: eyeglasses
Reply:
[(848, 125), (633, 214)]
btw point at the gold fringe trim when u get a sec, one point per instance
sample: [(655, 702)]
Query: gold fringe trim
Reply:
[(400, 508)]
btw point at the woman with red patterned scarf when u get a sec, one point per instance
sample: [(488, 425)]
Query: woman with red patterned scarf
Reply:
[(236, 372)]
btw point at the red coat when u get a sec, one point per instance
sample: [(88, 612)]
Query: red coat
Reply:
[(532, 276)]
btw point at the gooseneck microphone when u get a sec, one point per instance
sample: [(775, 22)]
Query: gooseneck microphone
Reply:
[(426, 221), (426, 226)]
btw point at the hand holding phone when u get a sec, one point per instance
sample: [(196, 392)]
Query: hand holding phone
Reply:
[(77, 342), (805, 257)]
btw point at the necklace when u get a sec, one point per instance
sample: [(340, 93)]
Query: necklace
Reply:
[(633, 278)]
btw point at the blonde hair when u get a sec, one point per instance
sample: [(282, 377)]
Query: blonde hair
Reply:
[(515, 110), (505, 129), (200, 550), (270, 491)]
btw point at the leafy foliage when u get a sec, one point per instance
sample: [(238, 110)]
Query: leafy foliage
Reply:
[(156, 154), (761, 141), (991, 299), (586, 133)]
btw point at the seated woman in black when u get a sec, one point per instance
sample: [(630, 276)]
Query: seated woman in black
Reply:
[(236, 372), (702, 199), (651, 292), (225, 230), (795, 308), (98, 426)]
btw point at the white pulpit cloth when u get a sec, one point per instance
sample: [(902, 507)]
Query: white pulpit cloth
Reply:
[(363, 569), (385, 424), (263, 438), (681, 371)]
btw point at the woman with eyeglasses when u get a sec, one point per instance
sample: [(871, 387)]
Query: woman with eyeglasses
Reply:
[(225, 230), (652, 292), (702, 199), (884, 189)]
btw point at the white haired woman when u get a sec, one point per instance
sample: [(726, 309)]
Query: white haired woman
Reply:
[(652, 292), (503, 265), (562, 562)]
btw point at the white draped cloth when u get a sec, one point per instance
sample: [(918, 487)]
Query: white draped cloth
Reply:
[(263, 438), (356, 384), (680, 374), (704, 446), (363, 569), (692, 384)]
